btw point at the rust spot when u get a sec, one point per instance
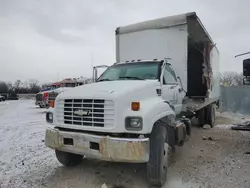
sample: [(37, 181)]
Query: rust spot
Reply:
[(102, 146), (128, 151)]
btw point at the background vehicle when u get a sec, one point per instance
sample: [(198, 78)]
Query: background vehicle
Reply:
[(42, 96), (246, 72), (2, 98), (166, 68), (64, 85), (11, 95)]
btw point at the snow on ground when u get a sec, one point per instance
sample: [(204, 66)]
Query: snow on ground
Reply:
[(26, 162), (22, 151)]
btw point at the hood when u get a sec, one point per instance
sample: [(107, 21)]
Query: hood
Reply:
[(106, 90), (42, 92), (61, 89)]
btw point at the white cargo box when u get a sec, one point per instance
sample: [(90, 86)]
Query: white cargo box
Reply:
[(184, 40)]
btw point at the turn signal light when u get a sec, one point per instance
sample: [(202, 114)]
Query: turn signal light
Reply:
[(135, 106), (52, 104)]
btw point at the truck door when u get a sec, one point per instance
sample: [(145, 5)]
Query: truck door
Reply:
[(171, 88)]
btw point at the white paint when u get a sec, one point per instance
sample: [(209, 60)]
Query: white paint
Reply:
[(152, 106), (215, 64), (157, 44)]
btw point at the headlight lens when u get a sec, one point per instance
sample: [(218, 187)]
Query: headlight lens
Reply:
[(133, 123), (49, 117)]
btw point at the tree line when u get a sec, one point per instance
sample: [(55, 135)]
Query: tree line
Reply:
[(228, 79), (30, 86)]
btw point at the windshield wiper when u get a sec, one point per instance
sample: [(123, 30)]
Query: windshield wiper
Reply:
[(131, 77), (105, 79)]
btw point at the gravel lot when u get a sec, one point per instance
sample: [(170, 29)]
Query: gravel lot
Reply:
[(26, 162)]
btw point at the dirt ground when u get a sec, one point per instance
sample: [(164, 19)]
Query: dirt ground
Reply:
[(26, 162)]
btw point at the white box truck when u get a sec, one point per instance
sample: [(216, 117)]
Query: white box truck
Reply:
[(167, 71)]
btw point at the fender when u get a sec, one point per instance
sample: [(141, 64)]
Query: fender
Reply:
[(167, 119), (157, 111)]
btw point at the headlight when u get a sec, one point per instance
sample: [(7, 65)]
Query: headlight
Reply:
[(133, 123), (49, 117)]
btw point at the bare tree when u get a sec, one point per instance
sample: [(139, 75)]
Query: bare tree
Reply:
[(231, 79), (34, 86), (239, 79), (3, 87), (17, 84)]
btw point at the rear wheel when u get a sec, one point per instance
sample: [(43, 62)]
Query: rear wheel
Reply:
[(158, 157), (68, 159), (211, 115), (201, 114), (41, 106)]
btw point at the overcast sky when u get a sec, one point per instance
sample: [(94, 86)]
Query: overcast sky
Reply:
[(53, 39)]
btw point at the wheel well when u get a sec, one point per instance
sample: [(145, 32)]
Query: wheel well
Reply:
[(168, 122)]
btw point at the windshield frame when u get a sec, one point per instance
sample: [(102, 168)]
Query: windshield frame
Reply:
[(137, 62)]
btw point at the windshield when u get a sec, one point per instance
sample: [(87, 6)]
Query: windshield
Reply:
[(132, 71), (68, 85)]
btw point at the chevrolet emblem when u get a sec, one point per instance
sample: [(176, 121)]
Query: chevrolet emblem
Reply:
[(82, 112)]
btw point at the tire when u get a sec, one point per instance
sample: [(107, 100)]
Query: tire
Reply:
[(68, 159), (201, 114), (158, 156), (188, 125), (40, 106), (210, 115)]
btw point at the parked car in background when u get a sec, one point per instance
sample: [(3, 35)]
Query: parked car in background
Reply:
[(11, 95), (2, 98), (42, 96), (65, 85), (48, 94)]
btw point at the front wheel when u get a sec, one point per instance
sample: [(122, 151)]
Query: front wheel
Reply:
[(68, 159), (158, 157)]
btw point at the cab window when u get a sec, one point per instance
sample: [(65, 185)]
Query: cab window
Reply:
[(169, 75)]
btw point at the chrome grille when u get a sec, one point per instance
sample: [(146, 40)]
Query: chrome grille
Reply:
[(52, 96), (98, 112), (39, 97)]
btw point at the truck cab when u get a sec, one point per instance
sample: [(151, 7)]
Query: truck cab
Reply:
[(127, 115), (41, 98)]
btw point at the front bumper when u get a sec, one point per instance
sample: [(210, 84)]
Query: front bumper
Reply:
[(42, 103), (99, 147)]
